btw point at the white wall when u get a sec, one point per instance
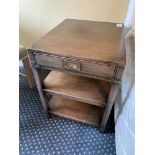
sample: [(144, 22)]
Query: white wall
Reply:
[(37, 17), (125, 105), (130, 17)]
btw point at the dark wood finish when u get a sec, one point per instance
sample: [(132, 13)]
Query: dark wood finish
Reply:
[(43, 97), (110, 102), (79, 88), (80, 49), (75, 110), (119, 73), (28, 73), (81, 74), (90, 40), (106, 86), (97, 46), (88, 67)]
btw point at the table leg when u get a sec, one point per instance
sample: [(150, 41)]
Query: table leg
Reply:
[(28, 72), (43, 97), (111, 98)]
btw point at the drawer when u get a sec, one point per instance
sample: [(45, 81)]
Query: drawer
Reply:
[(74, 65)]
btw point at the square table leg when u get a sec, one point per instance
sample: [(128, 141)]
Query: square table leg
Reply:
[(111, 99), (36, 72), (28, 72)]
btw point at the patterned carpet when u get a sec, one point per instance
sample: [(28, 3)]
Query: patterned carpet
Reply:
[(57, 136)]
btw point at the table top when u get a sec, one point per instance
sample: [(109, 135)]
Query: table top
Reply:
[(89, 40)]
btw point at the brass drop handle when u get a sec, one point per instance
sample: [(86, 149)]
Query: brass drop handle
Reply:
[(71, 65)]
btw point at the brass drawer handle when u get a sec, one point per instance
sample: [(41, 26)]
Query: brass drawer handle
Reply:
[(71, 65)]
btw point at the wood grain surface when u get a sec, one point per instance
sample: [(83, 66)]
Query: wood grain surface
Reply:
[(87, 39), (76, 87), (75, 110), (79, 53), (110, 102), (88, 67)]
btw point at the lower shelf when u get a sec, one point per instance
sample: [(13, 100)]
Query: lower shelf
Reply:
[(75, 110)]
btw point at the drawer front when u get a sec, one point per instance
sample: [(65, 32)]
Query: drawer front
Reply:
[(74, 65)]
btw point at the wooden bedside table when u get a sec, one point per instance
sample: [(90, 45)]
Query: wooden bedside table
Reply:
[(87, 59)]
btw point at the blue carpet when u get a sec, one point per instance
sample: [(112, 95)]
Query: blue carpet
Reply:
[(57, 136)]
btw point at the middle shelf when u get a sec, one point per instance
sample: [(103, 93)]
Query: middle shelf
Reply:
[(75, 87)]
